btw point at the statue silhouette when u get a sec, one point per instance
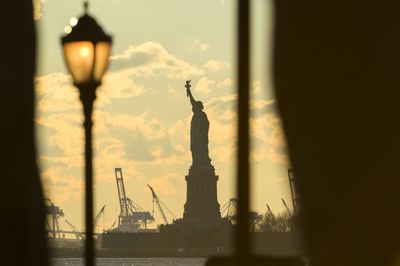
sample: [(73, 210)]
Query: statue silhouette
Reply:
[(198, 132)]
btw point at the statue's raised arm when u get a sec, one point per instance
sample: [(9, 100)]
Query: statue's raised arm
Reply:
[(189, 93)]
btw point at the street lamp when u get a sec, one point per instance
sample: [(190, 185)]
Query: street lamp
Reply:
[(86, 51)]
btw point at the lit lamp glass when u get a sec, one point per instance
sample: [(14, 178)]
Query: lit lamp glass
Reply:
[(86, 51)]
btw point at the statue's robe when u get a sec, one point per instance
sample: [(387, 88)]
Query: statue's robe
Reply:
[(199, 138)]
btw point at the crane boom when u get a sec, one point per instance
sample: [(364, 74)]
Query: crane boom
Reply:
[(121, 192), (74, 229), (115, 221), (269, 209), (98, 216), (286, 207), (155, 199)]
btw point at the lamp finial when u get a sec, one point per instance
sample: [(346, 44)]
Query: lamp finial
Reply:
[(86, 6)]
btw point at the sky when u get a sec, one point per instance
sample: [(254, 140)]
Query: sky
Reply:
[(142, 115)]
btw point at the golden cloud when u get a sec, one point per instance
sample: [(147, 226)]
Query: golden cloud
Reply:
[(38, 9), (215, 65), (204, 85), (197, 45), (152, 59)]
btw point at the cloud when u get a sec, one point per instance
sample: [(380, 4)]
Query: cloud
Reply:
[(223, 102), (38, 9), (197, 45), (118, 85), (278, 157), (55, 92), (61, 187), (173, 92), (223, 122), (149, 127), (167, 184), (120, 140), (152, 59), (227, 83), (110, 152), (68, 134), (267, 130), (256, 87), (204, 85), (261, 104), (215, 65), (179, 135)]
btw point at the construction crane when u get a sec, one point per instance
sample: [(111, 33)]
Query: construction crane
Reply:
[(269, 209), (53, 214), (159, 203), (121, 194), (98, 216), (59, 228), (131, 215), (75, 230), (229, 210), (284, 204), (294, 191), (113, 224), (139, 214), (53, 228)]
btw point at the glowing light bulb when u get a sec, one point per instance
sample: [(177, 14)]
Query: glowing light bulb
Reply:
[(85, 51), (73, 21), (67, 29)]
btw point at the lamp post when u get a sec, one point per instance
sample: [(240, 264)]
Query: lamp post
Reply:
[(86, 51)]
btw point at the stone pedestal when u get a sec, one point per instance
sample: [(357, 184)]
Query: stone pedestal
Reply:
[(201, 211), (201, 194)]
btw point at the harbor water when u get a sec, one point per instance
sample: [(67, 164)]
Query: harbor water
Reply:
[(132, 262)]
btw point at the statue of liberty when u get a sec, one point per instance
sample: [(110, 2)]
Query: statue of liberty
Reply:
[(198, 132)]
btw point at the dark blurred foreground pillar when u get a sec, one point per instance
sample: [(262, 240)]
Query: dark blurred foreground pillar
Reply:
[(242, 252), (337, 81), (22, 238)]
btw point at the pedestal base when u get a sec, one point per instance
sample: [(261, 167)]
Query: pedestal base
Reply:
[(201, 197)]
